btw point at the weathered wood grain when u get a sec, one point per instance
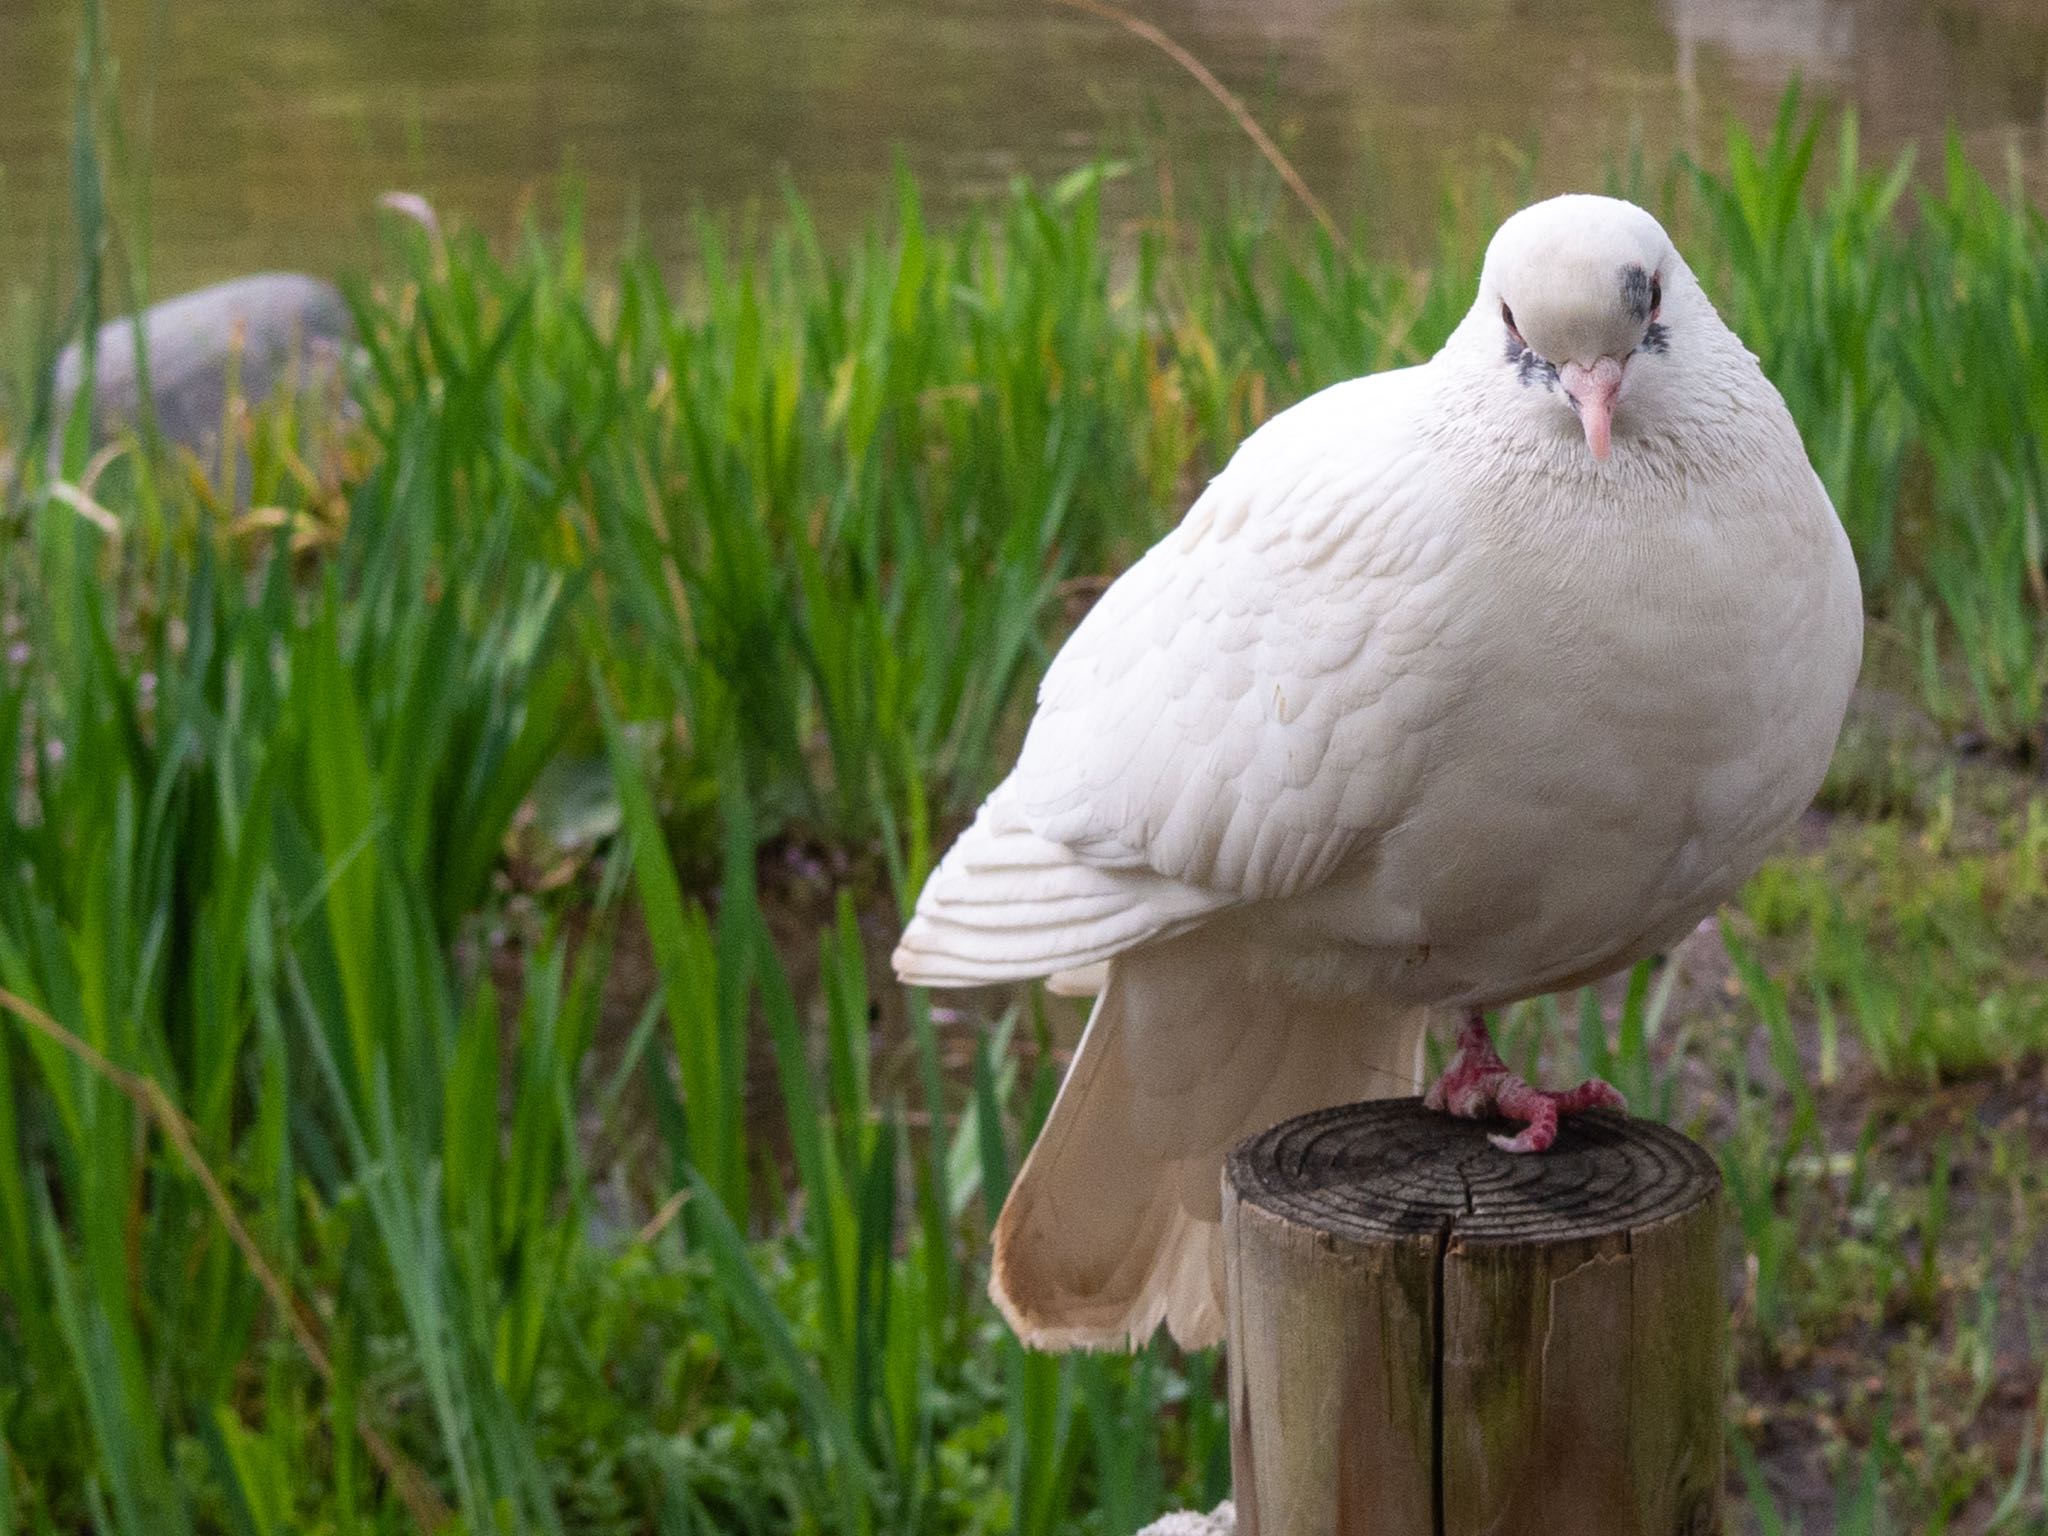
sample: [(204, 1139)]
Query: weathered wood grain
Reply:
[(1429, 1337)]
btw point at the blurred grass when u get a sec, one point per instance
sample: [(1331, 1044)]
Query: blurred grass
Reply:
[(770, 555)]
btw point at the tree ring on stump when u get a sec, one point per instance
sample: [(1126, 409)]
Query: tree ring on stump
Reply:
[(1391, 1168)]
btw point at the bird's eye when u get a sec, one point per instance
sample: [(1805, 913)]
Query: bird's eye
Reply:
[(1508, 318), (1656, 296)]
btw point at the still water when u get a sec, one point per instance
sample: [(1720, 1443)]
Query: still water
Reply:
[(272, 125)]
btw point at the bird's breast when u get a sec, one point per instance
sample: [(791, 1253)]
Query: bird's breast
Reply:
[(1639, 719)]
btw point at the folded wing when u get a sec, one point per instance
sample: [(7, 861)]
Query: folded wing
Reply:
[(1242, 710)]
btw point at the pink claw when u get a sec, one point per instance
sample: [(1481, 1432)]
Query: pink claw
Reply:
[(1478, 1084)]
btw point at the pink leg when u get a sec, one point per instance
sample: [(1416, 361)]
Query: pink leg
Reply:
[(1477, 1083)]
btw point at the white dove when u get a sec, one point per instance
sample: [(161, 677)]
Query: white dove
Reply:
[(1460, 684)]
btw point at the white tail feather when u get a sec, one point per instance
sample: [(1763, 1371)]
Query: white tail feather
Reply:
[(1113, 1225)]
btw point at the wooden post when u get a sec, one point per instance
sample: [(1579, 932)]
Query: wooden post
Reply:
[(1429, 1337)]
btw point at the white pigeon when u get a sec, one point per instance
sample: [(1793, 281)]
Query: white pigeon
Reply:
[(1460, 684)]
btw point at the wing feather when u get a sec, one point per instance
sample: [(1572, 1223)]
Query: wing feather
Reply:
[(1250, 700), (1241, 712)]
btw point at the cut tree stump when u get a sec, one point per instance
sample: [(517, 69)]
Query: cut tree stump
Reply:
[(1431, 1337)]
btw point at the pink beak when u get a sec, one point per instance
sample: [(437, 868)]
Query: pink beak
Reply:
[(1593, 390)]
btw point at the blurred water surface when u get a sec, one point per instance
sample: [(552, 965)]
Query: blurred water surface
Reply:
[(272, 125)]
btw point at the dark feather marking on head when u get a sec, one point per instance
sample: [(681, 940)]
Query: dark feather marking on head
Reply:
[(1531, 369), (1656, 339), (1635, 292)]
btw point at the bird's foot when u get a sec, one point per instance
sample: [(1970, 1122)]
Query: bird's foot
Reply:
[(1477, 1085)]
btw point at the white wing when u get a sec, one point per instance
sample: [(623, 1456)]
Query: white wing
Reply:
[(1243, 710)]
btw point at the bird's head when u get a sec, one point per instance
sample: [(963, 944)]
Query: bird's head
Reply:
[(1578, 292)]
